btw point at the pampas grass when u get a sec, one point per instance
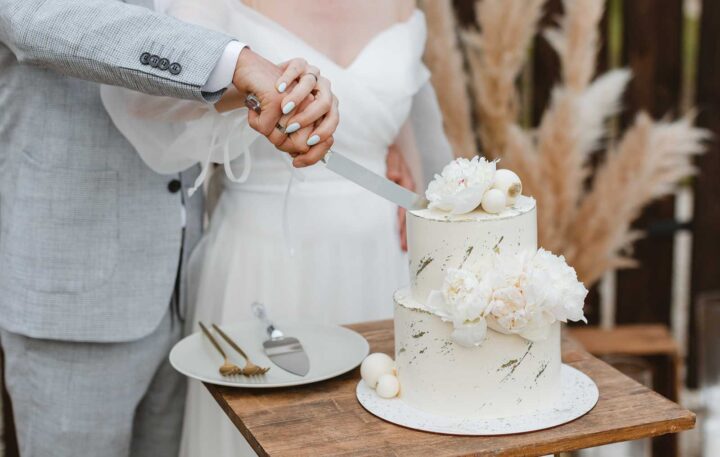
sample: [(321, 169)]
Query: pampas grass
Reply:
[(648, 161), (443, 57), (495, 57), (591, 226)]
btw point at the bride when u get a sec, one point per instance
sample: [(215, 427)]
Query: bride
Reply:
[(307, 243)]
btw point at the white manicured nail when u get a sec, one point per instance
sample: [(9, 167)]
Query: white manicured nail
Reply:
[(313, 140), (281, 87), (292, 128), (289, 106)]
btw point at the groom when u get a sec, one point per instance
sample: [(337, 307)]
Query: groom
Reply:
[(93, 244)]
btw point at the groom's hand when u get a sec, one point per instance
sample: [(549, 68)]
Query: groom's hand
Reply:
[(255, 74)]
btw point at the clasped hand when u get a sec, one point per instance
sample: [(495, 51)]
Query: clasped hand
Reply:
[(298, 111)]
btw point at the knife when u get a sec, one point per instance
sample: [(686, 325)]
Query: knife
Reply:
[(364, 177), (284, 351)]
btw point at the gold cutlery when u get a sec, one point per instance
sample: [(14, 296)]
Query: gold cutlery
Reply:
[(227, 368), (250, 368)]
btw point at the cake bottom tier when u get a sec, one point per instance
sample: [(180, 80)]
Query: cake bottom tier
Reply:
[(506, 376)]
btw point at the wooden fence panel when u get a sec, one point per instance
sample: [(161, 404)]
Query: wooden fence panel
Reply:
[(706, 220), (652, 42)]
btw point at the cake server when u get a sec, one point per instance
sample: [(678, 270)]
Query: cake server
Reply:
[(284, 351), (363, 177)]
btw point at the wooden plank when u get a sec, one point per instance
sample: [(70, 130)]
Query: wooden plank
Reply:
[(652, 42), (639, 339), (326, 419), (652, 342), (706, 226)]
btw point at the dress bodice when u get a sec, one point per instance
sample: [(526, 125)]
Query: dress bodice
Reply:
[(375, 90)]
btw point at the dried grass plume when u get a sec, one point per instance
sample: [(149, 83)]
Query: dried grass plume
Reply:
[(445, 61)]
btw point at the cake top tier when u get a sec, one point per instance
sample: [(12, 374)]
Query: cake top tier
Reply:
[(473, 185)]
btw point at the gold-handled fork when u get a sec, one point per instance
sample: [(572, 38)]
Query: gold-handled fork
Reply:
[(250, 368), (227, 368)]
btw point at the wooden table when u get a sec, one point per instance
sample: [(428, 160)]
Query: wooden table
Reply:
[(326, 419)]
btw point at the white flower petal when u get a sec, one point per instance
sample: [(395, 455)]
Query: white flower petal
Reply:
[(470, 335)]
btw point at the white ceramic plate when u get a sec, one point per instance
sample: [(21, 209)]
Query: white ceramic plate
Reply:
[(579, 395), (332, 350)]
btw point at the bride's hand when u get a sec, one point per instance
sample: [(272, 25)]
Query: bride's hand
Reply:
[(305, 82), (399, 173)]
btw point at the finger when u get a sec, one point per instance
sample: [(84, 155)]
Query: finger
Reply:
[(326, 127), (263, 123), (292, 69), (402, 221), (294, 141), (304, 87), (393, 171), (324, 100), (286, 120), (314, 155)]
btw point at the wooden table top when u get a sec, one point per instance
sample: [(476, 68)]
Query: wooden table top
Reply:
[(326, 419)]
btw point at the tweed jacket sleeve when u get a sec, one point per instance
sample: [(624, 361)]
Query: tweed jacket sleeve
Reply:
[(112, 42)]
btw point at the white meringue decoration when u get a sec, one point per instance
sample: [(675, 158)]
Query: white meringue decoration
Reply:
[(509, 184), (494, 201), (460, 187), (388, 386), (374, 366)]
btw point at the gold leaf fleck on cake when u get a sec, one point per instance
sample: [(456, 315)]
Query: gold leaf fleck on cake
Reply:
[(515, 363), (542, 370), (468, 251), (496, 248), (424, 262), (507, 364)]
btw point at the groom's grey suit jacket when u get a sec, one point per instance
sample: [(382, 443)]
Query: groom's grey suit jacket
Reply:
[(90, 238)]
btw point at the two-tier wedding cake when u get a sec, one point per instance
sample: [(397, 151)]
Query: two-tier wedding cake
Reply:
[(477, 332)]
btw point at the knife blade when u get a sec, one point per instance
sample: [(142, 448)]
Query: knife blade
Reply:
[(369, 180), (284, 351)]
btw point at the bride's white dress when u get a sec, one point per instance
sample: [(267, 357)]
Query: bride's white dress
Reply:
[(307, 243)]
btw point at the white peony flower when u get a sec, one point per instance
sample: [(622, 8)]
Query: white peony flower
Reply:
[(531, 291), (554, 283), (462, 301), (460, 187)]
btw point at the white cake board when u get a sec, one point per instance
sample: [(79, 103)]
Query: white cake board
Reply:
[(579, 394)]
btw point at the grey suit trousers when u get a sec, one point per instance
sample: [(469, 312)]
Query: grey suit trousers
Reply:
[(62, 386)]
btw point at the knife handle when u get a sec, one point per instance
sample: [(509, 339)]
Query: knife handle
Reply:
[(259, 311)]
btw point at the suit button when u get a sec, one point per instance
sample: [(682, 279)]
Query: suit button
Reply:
[(153, 61), (144, 57), (174, 186), (175, 68), (163, 64)]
